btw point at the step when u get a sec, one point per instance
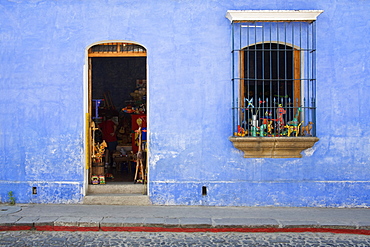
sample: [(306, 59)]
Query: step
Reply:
[(117, 188), (117, 199)]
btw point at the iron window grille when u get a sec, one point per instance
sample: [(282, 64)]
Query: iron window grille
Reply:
[(117, 48), (274, 78)]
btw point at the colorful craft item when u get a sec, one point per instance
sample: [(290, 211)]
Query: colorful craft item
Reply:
[(280, 112), (306, 130), (254, 131), (269, 127), (295, 121), (263, 127), (101, 179), (128, 109), (95, 179), (249, 103), (99, 150), (292, 129), (241, 132)]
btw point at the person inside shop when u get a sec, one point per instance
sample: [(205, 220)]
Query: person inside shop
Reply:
[(108, 128)]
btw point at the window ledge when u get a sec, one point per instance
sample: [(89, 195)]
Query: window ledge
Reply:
[(273, 147)]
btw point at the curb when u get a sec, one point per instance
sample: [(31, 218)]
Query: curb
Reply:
[(179, 229), (181, 224)]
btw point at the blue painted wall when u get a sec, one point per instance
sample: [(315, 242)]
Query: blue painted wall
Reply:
[(42, 54)]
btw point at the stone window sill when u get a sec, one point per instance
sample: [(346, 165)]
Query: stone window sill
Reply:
[(273, 147)]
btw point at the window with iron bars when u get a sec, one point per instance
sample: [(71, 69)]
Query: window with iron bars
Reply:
[(274, 78)]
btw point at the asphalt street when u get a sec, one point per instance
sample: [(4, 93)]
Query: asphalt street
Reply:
[(42, 238)]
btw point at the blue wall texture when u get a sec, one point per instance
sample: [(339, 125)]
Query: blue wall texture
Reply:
[(42, 57)]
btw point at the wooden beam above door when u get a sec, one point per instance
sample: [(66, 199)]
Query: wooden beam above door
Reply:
[(118, 54)]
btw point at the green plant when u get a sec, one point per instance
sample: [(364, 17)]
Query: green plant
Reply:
[(11, 198)]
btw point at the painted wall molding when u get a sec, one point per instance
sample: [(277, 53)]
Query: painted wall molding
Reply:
[(272, 15)]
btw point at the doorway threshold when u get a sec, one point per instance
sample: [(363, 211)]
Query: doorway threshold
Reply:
[(117, 193), (117, 188)]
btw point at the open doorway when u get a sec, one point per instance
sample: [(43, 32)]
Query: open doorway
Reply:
[(117, 113)]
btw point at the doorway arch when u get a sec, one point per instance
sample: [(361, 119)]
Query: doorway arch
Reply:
[(115, 80)]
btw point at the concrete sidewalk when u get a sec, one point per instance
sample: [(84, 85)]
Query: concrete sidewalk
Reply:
[(182, 218)]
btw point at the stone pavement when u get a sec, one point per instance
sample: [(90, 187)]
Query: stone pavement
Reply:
[(57, 217), (184, 239)]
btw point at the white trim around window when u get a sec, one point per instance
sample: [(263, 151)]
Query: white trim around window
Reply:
[(272, 15)]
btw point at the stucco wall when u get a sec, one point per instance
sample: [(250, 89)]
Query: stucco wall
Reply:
[(42, 57)]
